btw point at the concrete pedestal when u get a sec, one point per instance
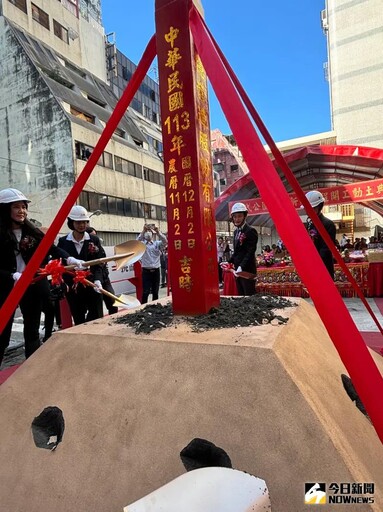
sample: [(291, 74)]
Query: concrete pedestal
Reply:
[(271, 396)]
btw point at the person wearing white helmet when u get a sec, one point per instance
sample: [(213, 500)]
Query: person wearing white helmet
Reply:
[(244, 245), (19, 239), (316, 199), (85, 302)]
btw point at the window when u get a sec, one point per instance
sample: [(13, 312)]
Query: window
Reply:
[(94, 201), (60, 31), (120, 206), (118, 163), (96, 101), (83, 151), (131, 168), (108, 160), (128, 207), (21, 4), (119, 133), (104, 203), (82, 115), (126, 74), (234, 168), (154, 176), (84, 200), (40, 16), (112, 205), (71, 5)]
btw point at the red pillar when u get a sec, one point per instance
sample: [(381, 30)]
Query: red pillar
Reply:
[(187, 158)]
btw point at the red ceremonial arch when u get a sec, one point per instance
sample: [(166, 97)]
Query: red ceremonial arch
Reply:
[(344, 174)]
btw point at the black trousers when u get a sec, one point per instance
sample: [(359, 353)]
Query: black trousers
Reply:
[(107, 285), (150, 284), (31, 305), (85, 304), (245, 286)]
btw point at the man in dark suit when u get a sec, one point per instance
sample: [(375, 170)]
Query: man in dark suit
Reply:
[(245, 245), (316, 199), (85, 302)]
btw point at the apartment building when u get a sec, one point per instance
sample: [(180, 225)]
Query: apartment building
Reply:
[(354, 33), (55, 100)]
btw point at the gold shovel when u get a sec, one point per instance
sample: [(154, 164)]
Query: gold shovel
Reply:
[(123, 301), (126, 253)]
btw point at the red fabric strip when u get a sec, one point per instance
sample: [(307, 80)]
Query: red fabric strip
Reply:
[(18, 290), (334, 314), (290, 176)]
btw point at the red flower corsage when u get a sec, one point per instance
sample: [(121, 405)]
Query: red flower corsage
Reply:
[(92, 249), (27, 242), (242, 238)]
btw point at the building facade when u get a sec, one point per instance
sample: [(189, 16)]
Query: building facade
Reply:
[(354, 32), (54, 104)]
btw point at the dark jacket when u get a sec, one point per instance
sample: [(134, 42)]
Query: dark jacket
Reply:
[(245, 245), (321, 246), (91, 250), (27, 247)]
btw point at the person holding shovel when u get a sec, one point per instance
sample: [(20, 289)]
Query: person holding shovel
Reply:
[(106, 284), (244, 245), (19, 239), (85, 302)]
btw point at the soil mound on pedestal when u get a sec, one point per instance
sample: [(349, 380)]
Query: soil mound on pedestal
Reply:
[(232, 312)]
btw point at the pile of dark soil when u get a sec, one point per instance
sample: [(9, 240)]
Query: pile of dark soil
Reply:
[(232, 312)]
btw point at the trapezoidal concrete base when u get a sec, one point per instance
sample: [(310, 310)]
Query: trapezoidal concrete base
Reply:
[(271, 396)]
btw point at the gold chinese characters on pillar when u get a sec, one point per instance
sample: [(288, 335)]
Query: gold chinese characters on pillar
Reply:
[(187, 159)]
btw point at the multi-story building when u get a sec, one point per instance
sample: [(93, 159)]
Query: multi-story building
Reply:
[(354, 32), (54, 104)]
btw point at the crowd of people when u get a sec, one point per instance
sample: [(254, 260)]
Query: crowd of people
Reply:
[(20, 238)]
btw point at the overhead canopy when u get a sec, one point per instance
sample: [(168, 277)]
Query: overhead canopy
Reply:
[(314, 167)]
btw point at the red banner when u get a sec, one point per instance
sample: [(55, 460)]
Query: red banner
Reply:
[(360, 192)]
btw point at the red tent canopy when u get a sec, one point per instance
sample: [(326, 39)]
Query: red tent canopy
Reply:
[(314, 167)]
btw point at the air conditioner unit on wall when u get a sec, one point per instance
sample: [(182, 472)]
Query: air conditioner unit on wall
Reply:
[(324, 20)]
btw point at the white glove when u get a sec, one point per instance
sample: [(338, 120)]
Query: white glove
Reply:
[(98, 286), (79, 264), (239, 269), (16, 276)]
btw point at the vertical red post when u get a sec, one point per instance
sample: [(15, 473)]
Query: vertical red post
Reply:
[(187, 158)]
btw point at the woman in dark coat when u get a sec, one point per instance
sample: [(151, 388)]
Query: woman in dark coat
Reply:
[(85, 302), (19, 239)]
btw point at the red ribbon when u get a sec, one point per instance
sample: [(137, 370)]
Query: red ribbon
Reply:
[(21, 285), (54, 268), (329, 305), (80, 277)]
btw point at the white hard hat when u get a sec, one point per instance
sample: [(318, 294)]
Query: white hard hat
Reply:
[(78, 213), (315, 198), (238, 208), (12, 195)]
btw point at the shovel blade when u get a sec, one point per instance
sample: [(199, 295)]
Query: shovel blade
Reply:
[(131, 246), (127, 302)]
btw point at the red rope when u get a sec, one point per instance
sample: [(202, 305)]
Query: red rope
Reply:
[(329, 304), (290, 175)]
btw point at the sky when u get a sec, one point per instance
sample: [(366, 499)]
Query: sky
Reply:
[(276, 48)]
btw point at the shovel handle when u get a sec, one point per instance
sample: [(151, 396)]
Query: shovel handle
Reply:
[(99, 261), (105, 292)]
